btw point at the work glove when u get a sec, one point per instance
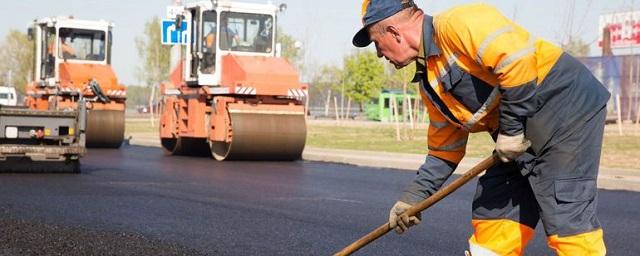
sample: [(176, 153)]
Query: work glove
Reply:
[(509, 148), (399, 221)]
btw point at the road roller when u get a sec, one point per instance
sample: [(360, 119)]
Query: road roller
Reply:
[(230, 95), (73, 61)]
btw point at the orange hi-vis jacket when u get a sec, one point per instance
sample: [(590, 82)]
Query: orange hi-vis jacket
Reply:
[(479, 71), (481, 75)]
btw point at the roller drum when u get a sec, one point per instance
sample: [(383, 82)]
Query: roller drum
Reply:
[(105, 128), (185, 146), (263, 136)]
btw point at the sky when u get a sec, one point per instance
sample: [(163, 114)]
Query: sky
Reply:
[(324, 27)]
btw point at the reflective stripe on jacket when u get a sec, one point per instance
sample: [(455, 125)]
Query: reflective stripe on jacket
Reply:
[(484, 77)]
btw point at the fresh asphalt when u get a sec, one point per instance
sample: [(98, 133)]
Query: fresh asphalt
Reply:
[(137, 201)]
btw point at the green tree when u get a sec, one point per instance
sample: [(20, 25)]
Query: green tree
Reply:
[(155, 59), (154, 56), (364, 76), (576, 47), (17, 54), (401, 78), (572, 27), (137, 95), (326, 78), (291, 48)]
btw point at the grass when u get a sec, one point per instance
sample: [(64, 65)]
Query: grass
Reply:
[(618, 151), (383, 138), (141, 126), (621, 151)]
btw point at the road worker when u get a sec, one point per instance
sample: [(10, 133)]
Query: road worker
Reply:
[(229, 36), (209, 50), (66, 51), (479, 71)]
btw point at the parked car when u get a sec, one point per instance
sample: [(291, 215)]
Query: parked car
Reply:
[(8, 96), (144, 109)]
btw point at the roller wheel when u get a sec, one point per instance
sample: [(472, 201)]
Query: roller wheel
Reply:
[(105, 128), (260, 136), (169, 145), (185, 146), (219, 150)]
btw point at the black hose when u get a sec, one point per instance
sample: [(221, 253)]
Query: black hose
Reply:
[(95, 87)]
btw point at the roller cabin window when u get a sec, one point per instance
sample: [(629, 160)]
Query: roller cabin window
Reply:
[(209, 37), (246, 32), (81, 44), (48, 60)]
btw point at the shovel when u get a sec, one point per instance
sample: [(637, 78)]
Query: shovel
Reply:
[(421, 206)]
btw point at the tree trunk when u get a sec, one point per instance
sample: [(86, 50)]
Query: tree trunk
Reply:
[(327, 104), (619, 110), (394, 106), (347, 115), (405, 99), (155, 80), (151, 96), (630, 96), (416, 113), (411, 124), (637, 92), (335, 103), (307, 113), (342, 100)]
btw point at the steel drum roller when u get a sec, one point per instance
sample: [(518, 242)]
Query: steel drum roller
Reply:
[(263, 136), (185, 146), (105, 128)]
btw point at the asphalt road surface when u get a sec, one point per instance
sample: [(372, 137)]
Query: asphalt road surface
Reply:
[(137, 201)]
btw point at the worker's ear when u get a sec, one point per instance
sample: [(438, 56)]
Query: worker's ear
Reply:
[(395, 33)]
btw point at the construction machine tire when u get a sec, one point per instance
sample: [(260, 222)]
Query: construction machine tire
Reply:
[(185, 146), (105, 128), (263, 136)]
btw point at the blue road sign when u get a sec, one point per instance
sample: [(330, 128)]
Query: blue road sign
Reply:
[(171, 35)]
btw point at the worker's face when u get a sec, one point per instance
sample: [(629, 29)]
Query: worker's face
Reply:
[(392, 45)]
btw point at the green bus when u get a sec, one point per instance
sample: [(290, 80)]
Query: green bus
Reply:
[(380, 109)]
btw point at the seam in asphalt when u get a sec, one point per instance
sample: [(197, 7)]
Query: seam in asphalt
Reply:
[(608, 178)]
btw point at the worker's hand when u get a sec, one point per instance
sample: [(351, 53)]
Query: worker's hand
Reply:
[(399, 221), (509, 148)]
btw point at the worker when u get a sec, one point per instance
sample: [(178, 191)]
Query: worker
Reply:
[(481, 72), (263, 38), (66, 51), (210, 39), (209, 49), (230, 37)]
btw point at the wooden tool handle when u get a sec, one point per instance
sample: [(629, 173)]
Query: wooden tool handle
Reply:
[(422, 205)]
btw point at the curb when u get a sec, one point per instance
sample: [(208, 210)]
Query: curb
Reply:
[(608, 178)]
